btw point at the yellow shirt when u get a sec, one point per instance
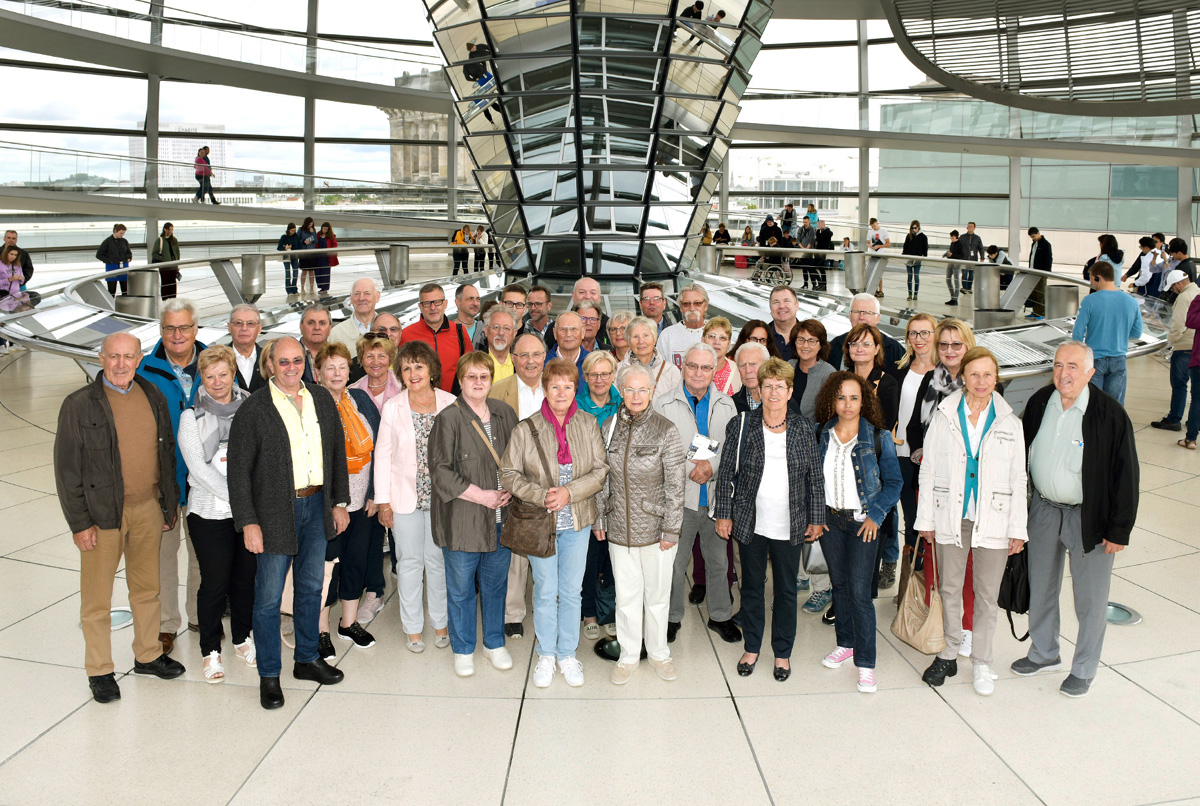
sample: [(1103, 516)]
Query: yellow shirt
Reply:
[(304, 433), (502, 370)]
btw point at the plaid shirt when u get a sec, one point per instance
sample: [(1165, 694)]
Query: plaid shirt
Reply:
[(806, 481)]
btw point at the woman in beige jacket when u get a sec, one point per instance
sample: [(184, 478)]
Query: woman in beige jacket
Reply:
[(641, 512), (555, 458)]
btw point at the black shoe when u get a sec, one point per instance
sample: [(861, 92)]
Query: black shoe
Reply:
[(514, 630), (163, 667), (1167, 425), (952, 302), (939, 670), (887, 576), (672, 630), (782, 674), (318, 671), (828, 617), (355, 632), (325, 646), (270, 695), (746, 669), (726, 629), (697, 594), (104, 688)]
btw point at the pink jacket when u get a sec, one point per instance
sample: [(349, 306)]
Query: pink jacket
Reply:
[(396, 453), (392, 389)]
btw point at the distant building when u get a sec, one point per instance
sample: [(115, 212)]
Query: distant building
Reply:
[(420, 164), (172, 149), (800, 193)]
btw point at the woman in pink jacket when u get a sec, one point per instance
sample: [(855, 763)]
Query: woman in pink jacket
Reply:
[(403, 491)]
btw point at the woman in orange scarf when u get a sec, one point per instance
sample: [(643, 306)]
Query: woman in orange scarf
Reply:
[(349, 550)]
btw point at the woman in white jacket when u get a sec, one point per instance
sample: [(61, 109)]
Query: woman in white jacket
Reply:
[(972, 501)]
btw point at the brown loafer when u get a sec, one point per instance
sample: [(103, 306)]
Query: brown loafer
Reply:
[(168, 642)]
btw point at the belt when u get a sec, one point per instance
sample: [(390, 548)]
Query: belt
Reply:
[(311, 489), (841, 513), (1055, 504)]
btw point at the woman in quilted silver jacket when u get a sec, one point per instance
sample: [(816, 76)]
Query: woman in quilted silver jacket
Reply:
[(641, 512)]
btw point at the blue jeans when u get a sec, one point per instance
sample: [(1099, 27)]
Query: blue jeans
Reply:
[(463, 570), (291, 275), (1110, 376), (851, 562), (914, 277), (1193, 421), (557, 594), (968, 279), (308, 574), (1179, 384)]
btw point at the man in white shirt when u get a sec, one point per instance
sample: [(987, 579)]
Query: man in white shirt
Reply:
[(245, 325), (676, 340), (364, 296)]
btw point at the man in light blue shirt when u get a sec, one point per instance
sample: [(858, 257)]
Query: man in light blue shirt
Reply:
[(1107, 320)]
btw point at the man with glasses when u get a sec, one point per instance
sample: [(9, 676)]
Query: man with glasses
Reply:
[(315, 327), (677, 339), (364, 296), (593, 338), (864, 309), (568, 333), (171, 367), (784, 305), (245, 325), (387, 325), (499, 325), (523, 392), (448, 339), (467, 304), (587, 289), (700, 413), (652, 299), (538, 319)]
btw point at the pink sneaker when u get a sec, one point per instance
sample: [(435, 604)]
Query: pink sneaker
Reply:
[(866, 681), (837, 657)]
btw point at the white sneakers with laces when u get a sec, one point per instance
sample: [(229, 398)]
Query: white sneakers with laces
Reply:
[(984, 677), (543, 673), (572, 671), (964, 648)]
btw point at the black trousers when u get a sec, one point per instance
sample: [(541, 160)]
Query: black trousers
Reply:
[(350, 548), (598, 564), (785, 567), (374, 579), (460, 260), (227, 569)]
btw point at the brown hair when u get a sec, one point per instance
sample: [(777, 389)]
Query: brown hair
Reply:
[(750, 327), (560, 368), (418, 352), (856, 333), (475, 358), (976, 353), (329, 350), (827, 399), (813, 328)]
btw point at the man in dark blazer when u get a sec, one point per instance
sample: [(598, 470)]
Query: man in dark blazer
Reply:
[(245, 326), (289, 488)]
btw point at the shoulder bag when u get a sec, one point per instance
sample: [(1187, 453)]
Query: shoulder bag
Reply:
[(919, 623), (530, 529), (1014, 589)]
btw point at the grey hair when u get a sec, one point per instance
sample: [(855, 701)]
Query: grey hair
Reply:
[(634, 369), (1089, 357), (587, 303), (697, 288), (177, 305), (864, 297), (621, 318), (244, 306), (750, 345), (704, 348), (316, 306), (641, 321), (498, 310)]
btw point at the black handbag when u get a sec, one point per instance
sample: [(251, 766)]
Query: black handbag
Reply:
[(531, 529), (1014, 589)]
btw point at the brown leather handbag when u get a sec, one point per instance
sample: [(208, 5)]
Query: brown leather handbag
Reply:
[(530, 529)]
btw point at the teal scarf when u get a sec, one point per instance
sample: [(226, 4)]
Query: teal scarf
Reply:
[(972, 488)]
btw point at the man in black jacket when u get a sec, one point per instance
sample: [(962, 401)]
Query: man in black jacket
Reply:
[(477, 70), (972, 249), (289, 487), (1040, 257), (1083, 474), (822, 240), (769, 230)]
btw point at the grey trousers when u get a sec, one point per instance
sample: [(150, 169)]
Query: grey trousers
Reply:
[(954, 283), (952, 571), (1055, 530), (716, 566), (168, 577)]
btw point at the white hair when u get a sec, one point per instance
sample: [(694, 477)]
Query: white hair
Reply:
[(699, 289), (177, 305), (752, 345), (1089, 357), (498, 310), (864, 297), (245, 306), (702, 347), (641, 321), (634, 369)]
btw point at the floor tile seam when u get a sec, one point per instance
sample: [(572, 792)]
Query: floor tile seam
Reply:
[(4, 369), (80, 667), (39, 737), (1156, 657), (1173, 500), (10, 558), (1189, 718), (36, 612), (1184, 799), (1116, 573), (512, 750), (274, 744), (1194, 550), (734, 700)]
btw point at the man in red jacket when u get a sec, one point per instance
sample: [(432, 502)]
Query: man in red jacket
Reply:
[(448, 339)]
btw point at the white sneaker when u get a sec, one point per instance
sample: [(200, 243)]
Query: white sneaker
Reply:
[(964, 648), (464, 665), (572, 671), (499, 657), (983, 680), (369, 608), (543, 673)]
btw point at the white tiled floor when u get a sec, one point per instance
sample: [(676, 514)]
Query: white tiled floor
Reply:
[(403, 728)]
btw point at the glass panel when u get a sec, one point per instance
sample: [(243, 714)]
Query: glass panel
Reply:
[(1144, 182), (1071, 181), (1069, 214), (1138, 216), (489, 150), (550, 73)]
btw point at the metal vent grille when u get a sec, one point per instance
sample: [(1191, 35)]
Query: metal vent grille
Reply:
[(1012, 354)]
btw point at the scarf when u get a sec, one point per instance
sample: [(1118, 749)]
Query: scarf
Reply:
[(941, 386), (358, 436), (214, 419), (971, 491), (560, 431)]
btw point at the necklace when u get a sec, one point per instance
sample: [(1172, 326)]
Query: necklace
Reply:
[(777, 426), (377, 385)]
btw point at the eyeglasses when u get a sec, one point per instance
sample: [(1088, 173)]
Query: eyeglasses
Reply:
[(598, 376), (501, 328), (920, 334), (694, 367), (774, 387), (539, 355), (808, 342), (533, 304), (476, 377), (865, 344), (951, 345), (658, 299), (516, 306), (183, 330), (242, 323), (864, 313), (287, 362), (376, 334), (757, 339), (695, 304), (432, 303), (628, 392), (590, 320)]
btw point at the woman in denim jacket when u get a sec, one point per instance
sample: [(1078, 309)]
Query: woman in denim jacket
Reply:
[(862, 484)]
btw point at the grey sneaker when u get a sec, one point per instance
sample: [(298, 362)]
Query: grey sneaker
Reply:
[(818, 601), (1027, 668), (1075, 687)]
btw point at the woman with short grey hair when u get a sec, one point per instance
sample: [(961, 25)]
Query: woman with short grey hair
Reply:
[(642, 334)]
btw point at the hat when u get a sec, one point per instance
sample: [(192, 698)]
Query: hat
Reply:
[(1174, 276), (770, 218)]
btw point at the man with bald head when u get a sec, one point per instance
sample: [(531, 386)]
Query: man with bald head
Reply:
[(364, 296), (586, 288), (114, 467), (288, 489), (568, 337)]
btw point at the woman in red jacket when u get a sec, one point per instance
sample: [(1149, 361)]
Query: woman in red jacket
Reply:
[(325, 240)]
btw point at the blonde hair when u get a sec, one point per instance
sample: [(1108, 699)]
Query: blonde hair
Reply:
[(776, 369), (596, 356), (909, 354), (214, 355), (366, 344)]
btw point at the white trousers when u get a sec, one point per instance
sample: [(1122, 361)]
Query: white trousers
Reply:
[(420, 561), (643, 579)]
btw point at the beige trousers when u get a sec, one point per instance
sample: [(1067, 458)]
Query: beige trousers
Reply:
[(518, 579), (168, 577), (988, 572)]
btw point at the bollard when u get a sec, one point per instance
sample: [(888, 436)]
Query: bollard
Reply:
[(398, 264), (254, 277), (856, 271), (987, 286), (1061, 301), (706, 259)]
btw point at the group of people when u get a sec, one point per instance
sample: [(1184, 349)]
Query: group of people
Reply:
[(307, 276), (285, 467), (464, 237)]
